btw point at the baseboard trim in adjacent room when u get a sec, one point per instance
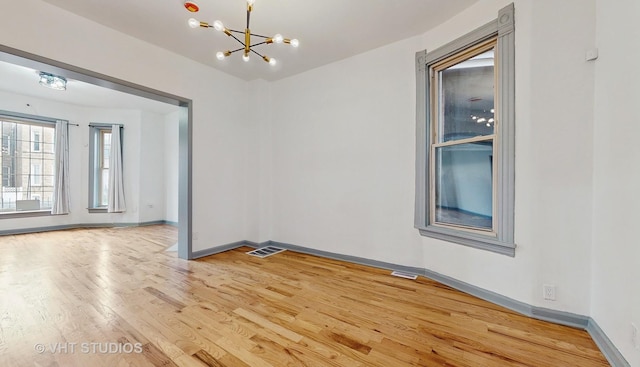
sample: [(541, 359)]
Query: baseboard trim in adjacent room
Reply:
[(61, 227)]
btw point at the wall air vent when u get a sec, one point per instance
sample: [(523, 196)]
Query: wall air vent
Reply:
[(263, 252)]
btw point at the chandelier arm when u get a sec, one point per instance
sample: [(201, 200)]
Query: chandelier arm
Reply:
[(258, 44), (240, 49), (237, 39), (258, 35), (233, 30), (255, 52)]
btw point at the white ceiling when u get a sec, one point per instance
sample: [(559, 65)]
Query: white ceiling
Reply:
[(328, 30), (23, 80)]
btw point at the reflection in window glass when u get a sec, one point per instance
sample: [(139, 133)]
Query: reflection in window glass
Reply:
[(463, 185), (466, 106)]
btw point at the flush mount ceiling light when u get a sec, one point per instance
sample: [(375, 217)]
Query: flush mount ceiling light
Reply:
[(191, 6), (247, 47), (52, 81)]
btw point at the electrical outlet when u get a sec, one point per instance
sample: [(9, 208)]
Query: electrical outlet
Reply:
[(549, 292), (635, 338), (195, 236)]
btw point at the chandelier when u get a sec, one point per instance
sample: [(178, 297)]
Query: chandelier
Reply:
[(247, 47)]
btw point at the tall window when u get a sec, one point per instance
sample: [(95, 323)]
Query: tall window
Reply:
[(465, 120), (28, 151), (100, 156)]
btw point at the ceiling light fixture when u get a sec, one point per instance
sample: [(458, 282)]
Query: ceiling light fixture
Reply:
[(53, 81), (191, 6), (247, 47), (488, 118)]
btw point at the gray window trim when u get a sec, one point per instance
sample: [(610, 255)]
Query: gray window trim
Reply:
[(28, 118), (26, 214), (503, 28), (94, 132)]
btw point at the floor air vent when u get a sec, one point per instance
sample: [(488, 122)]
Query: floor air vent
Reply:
[(403, 274), (263, 252)]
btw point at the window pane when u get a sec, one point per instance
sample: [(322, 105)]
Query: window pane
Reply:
[(467, 98), (463, 184), (8, 200), (36, 174), (106, 149), (104, 188)]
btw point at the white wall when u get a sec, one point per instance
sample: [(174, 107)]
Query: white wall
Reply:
[(219, 113), (152, 176), (143, 166), (616, 252), (258, 203), (343, 157), (343, 148)]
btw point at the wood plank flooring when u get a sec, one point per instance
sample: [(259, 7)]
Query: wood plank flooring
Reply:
[(114, 297)]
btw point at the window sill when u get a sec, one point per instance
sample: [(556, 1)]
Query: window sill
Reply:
[(97, 210), (469, 239), (26, 214)]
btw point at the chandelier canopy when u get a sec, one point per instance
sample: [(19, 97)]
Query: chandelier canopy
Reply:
[(247, 47)]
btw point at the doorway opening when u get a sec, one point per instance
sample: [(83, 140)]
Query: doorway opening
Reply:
[(185, 105)]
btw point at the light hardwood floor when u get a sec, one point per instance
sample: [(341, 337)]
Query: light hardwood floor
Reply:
[(118, 288)]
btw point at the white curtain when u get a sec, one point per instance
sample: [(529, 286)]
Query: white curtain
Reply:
[(116, 181), (61, 200)]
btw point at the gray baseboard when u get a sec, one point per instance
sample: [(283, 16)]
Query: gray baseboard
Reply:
[(219, 249), (348, 258), (557, 317), (8, 232), (613, 355), (603, 342)]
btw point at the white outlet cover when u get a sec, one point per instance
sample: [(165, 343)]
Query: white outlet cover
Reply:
[(635, 338), (549, 292)]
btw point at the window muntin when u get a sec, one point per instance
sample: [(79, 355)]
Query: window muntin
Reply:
[(27, 169), (463, 115)]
